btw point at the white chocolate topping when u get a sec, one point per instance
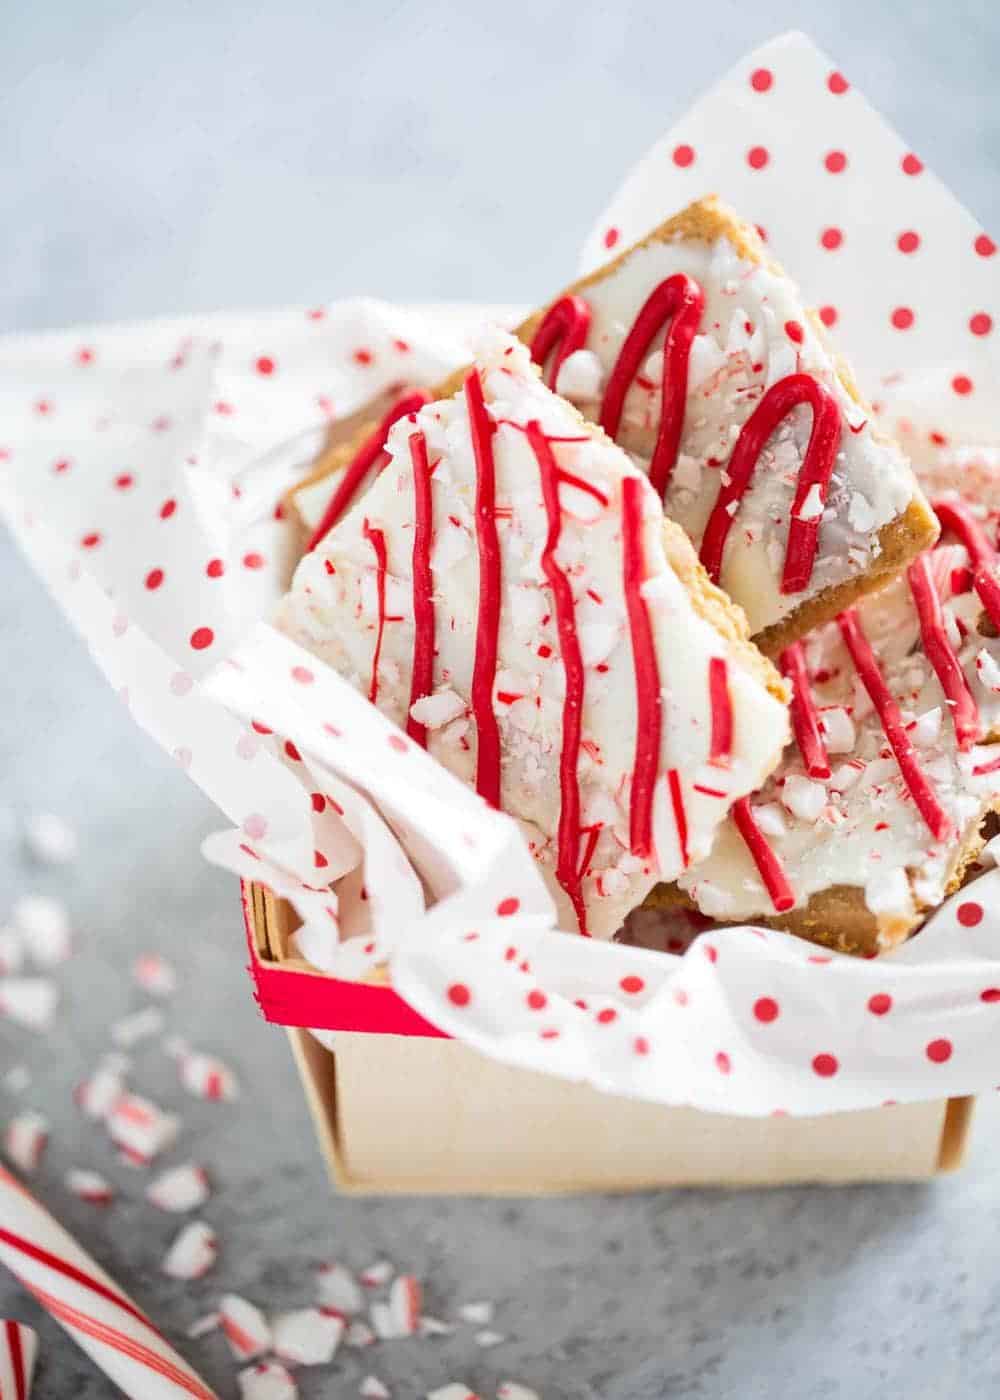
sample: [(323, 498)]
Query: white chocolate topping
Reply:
[(744, 346), (333, 610), (861, 827)]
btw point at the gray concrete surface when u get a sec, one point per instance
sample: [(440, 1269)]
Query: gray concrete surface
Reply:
[(169, 157)]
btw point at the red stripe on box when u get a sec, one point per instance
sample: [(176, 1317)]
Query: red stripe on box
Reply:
[(289, 997)]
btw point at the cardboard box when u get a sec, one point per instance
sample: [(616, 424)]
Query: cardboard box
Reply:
[(400, 1108)]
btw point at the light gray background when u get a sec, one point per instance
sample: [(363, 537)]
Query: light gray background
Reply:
[(191, 156)]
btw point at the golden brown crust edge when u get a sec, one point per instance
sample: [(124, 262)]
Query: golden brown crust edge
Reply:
[(838, 917)]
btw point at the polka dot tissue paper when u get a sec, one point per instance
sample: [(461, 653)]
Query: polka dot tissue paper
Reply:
[(143, 473)]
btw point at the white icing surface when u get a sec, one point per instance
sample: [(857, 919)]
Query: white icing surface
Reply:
[(741, 350), (868, 833), (335, 615)]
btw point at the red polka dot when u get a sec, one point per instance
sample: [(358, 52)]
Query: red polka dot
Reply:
[(43, 406), (320, 860), (761, 79), (225, 410), (316, 313), (605, 1017), (837, 83), (610, 237), (256, 725), (124, 481), (397, 742), (825, 1065), (828, 315), (902, 318), (757, 157), (303, 675), (939, 1051), (253, 560), (92, 540), (549, 1034), (85, 355), (835, 162), (202, 637), (908, 241), (640, 1045), (363, 356), (711, 952), (962, 384), (911, 164), (969, 913), (215, 568), (63, 465), (794, 331), (980, 323), (990, 994), (292, 751), (984, 245), (761, 232), (880, 1003), (154, 578), (723, 1063), (831, 238), (680, 996), (318, 802), (683, 156), (265, 365), (168, 508), (766, 1009), (402, 346), (508, 906), (537, 999), (459, 994), (632, 985)]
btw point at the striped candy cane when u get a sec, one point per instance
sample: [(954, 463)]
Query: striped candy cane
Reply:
[(18, 1349), (89, 1305)]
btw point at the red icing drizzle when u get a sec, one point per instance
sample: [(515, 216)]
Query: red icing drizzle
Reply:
[(892, 722), (647, 673), (805, 719), (957, 518), (564, 328), (366, 457), (376, 539), (770, 867), (422, 678), (568, 866), (488, 618), (680, 300), (940, 653), (817, 465), (720, 701)]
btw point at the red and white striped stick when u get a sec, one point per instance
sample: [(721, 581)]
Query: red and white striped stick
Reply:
[(18, 1349), (87, 1303)]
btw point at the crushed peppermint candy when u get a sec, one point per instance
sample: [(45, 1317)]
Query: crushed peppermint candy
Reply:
[(50, 839), (16, 1079), (480, 1313), (513, 1390), (25, 1139), (154, 975), (371, 1388), (434, 1327), (488, 1338), (89, 1186), (44, 926), (337, 1288), (377, 1274), (359, 1334), (267, 1380), (139, 1026), (11, 952), (179, 1188), (307, 1336), (454, 1390), (206, 1077), (209, 1322), (140, 1128), (193, 1252), (29, 1001), (245, 1327), (97, 1095)]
